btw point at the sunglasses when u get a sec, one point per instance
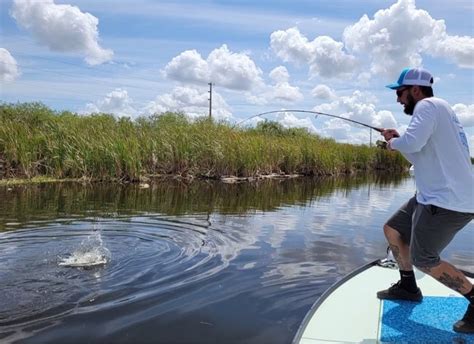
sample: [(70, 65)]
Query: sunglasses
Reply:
[(401, 90)]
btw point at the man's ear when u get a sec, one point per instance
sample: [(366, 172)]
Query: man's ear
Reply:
[(416, 92)]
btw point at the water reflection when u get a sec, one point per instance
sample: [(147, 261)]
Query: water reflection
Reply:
[(198, 263), (21, 204)]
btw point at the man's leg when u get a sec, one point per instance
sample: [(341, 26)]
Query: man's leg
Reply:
[(400, 250), (397, 230), (405, 288), (434, 228), (451, 277)]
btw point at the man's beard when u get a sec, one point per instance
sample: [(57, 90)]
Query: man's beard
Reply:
[(410, 105)]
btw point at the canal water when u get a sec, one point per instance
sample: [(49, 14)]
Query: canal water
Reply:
[(204, 262)]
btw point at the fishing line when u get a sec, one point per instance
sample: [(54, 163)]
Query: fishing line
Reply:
[(380, 130)]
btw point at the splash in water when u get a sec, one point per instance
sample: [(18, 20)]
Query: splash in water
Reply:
[(91, 252)]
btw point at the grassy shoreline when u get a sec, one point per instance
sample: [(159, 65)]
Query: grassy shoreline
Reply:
[(36, 141)]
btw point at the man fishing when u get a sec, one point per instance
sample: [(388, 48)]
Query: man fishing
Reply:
[(436, 145)]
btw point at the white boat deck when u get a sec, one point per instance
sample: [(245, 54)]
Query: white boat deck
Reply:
[(352, 312)]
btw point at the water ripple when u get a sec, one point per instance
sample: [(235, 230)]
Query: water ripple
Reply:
[(149, 255)]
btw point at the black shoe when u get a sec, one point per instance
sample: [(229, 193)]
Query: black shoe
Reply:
[(466, 324), (396, 292)]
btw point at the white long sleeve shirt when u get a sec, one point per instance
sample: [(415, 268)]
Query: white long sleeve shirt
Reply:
[(436, 145)]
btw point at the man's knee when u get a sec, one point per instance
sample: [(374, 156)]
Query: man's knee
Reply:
[(391, 233), (423, 261), (423, 267)]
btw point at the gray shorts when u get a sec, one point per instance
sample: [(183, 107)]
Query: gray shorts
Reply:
[(428, 229)]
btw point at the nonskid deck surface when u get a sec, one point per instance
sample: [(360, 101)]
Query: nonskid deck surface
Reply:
[(352, 313), (428, 322)]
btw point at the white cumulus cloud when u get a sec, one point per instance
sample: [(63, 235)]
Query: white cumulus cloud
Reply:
[(62, 28), (280, 74), (8, 66), (192, 101), (384, 119), (325, 56), (459, 49), (398, 36), (281, 92), (359, 107), (222, 67), (341, 131), (284, 92), (290, 120), (116, 102), (189, 66), (323, 92), (465, 114), (337, 129)]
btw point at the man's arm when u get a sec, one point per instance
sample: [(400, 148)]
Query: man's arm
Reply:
[(419, 131)]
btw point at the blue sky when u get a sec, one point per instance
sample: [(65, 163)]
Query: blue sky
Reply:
[(140, 57)]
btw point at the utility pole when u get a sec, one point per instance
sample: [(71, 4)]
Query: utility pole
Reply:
[(370, 137), (210, 99)]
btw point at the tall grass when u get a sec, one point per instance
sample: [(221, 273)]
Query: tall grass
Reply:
[(37, 141)]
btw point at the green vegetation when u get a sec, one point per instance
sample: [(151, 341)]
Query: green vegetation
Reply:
[(37, 141)]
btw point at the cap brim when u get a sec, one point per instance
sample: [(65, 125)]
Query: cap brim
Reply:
[(394, 86)]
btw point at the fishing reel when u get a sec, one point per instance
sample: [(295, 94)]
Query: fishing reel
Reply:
[(381, 144)]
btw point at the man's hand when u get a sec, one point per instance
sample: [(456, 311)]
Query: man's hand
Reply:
[(389, 134)]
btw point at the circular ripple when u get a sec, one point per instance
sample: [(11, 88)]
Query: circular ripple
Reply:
[(149, 255)]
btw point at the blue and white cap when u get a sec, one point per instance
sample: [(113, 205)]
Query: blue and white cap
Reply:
[(413, 76)]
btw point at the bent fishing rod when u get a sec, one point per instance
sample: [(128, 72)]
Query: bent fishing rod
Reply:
[(317, 113)]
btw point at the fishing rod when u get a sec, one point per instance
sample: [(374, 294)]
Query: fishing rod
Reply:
[(380, 130)]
